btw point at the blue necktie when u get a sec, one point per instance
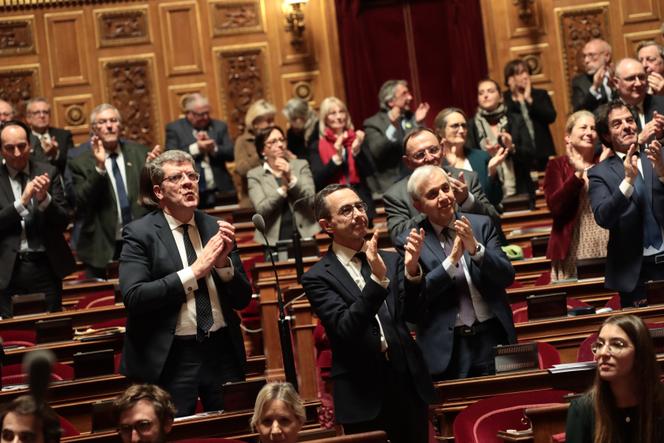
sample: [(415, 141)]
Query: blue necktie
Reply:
[(125, 206), (203, 306), (652, 234)]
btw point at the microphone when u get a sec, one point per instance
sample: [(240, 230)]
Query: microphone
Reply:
[(37, 365), (284, 326), (297, 245)]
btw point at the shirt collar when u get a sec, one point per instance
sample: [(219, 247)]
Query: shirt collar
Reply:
[(267, 168), (174, 223), (13, 172), (346, 254), (118, 151), (439, 229)]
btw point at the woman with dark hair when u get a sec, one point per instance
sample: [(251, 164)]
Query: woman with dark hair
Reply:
[(337, 157), (626, 402), (494, 127), (452, 130), (281, 190), (534, 105), (575, 234)]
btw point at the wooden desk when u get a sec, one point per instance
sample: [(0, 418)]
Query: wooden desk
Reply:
[(64, 351), (591, 291), (80, 317)]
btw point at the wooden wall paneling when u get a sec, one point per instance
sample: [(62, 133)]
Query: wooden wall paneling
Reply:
[(325, 43), (535, 57), (292, 51), (233, 17), (73, 112), (176, 94), (181, 35), (524, 18), (19, 83), (122, 26), (17, 36), (636, 11), (67, 53), (130, 85), (304, 85), (243, 75), (632, 39)]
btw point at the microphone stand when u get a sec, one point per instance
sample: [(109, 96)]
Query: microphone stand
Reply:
[(297, 246), (284, 325)]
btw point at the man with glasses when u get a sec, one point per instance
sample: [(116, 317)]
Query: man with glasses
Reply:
[(422, 147), (24, 421), (182, 280), (49, 144), (33, 216), (144, 413), (651, 56), (593, 87), (209, 142), (105, 187), (380, 379), (6, 111), (626, 194)]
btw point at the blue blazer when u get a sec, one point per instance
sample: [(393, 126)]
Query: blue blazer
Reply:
[(623, 218), (435, 307)]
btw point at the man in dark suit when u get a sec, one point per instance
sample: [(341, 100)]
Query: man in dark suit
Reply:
[(49, 144), (462, 311), (181, 280), (209, 142), (422, 147), (106, 184), (33, 215), (7, 111), (380, 379), (593, 88), (386, 130), (627, 198)]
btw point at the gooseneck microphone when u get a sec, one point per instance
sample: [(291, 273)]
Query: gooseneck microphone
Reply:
[(284, 326)]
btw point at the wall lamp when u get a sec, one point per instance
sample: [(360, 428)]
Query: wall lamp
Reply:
[(295, 20)]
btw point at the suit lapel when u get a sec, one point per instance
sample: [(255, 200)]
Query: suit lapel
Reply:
[(166, 236), (432, 242), (131, 171), (5, 186), (616, 165), (334, 267)]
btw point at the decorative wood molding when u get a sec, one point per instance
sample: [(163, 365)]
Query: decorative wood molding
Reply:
[(632, 39), (524, 18), (642, 11), (130, 87), (181, 38), (73, 111), (236, 17), (304, 85), (177, 93), (18, 84), (244, 79), (17, 36), (67, 52), (535, 57), (577, 26), (524, 10), (121, 27), (15, 5)]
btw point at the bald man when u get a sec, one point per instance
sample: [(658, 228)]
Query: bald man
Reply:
[(593, 88)]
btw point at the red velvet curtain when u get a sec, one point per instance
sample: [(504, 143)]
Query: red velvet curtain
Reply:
[(447, 48)]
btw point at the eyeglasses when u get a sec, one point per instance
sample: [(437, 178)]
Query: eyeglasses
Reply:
[(25, 436), (614, 347), (104, 121), (421, 154), (632, 78), (11, 148), (177, 179), (347, 210), (40, 112), (6, 114), (200, 114), (141, 426), (270, 143)]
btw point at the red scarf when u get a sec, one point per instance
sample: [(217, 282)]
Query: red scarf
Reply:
[(326, 150)]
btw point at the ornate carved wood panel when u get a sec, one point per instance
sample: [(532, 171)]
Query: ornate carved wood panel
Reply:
[(131, 88), (304, 85), (524, 18), (121, 27), (243, 80), (67, 54), (181, 38), (18, 84), (74, 111), (17, 36), (176, 94), (236, 17)]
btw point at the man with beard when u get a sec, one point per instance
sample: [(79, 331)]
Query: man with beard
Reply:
[(593, 87), (627, 198), (386, 130), (209, 142), (144, 413), (182, 280), (380, 379), (105, 185)]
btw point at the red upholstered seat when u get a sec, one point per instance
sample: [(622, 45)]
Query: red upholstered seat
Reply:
[(18, 337), (481, 421), (68, 429), (14, 375), (547, 355), (614, 303)]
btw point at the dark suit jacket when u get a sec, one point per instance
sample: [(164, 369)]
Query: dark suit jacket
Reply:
[(581, 96), (386, 155), (542, 114), (50, 224), (153, 294), (492, 187), (402, 215), (65, 142), (96, 210), (522, 157), (562, 190), (180, 134), (348, 315), (623, 217), (434, 309)]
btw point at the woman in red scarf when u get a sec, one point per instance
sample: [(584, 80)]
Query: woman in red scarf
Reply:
[(338, 157)]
